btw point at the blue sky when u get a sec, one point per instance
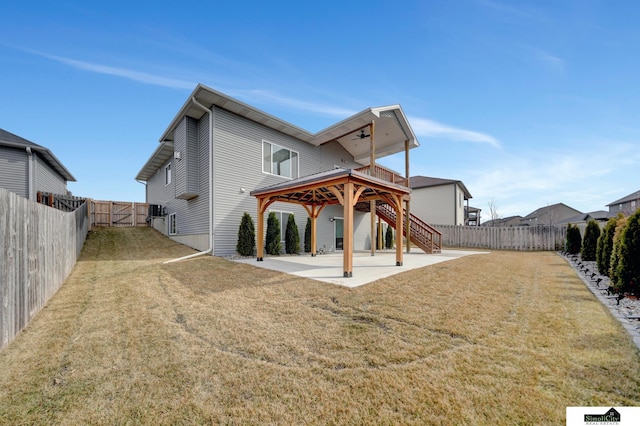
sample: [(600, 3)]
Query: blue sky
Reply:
[(529, 103)]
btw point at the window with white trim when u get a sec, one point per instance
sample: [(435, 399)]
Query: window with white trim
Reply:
[(173, 229), (167, 174), (283, 218), (280, 161)]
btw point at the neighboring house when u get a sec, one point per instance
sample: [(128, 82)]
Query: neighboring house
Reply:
[(27, 168), (550, 215), (583, 218), (626, 205), (439, 201), (506, 221), (217, 150), (472, 216)]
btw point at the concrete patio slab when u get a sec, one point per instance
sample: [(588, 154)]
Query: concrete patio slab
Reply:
[(366, 268)]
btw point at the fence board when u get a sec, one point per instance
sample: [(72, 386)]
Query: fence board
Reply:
[(39, 246), (521, 238)]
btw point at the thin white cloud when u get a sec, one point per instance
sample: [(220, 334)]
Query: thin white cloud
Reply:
[(138, 76), (550, 61), (430, 128), (266, 96)]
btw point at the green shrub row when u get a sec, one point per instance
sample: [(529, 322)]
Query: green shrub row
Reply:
[(616, 250)]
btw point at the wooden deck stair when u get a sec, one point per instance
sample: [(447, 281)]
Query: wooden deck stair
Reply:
[(423, 235)]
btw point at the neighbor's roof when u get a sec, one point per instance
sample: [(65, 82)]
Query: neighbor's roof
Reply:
[(428, 182), (549, 210), (392, 128), (15, 141), (630, 197)]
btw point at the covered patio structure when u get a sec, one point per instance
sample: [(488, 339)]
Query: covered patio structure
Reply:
[(347, 187)]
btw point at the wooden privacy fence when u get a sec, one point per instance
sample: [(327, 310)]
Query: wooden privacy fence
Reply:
[(118, 213), (526, 238), (39, 246), (66, 203)]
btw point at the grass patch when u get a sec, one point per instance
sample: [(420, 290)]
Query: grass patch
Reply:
[(501, 338)]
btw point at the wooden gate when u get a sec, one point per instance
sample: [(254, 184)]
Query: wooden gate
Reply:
[(118, 213)]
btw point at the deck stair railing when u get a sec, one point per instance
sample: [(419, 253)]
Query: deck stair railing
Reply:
[(423, 235)]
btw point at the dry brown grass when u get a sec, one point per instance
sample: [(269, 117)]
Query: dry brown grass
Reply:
[(504, 338)]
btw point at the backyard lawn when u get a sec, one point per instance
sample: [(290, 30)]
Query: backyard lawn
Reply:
[(502, 338)]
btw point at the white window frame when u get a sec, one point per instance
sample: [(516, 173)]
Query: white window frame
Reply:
[(283, 226), (167, 174), (172, 227), (293, 166)]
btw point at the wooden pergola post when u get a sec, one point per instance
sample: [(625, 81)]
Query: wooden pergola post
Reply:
[(399, 215), (347, 245), (260, 231), (314, 212)]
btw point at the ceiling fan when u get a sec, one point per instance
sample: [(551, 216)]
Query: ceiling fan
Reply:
[(361, 135)]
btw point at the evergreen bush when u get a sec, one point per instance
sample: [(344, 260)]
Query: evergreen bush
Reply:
[(388, 238), (246, 236), (590, 241), (616, 253), (605, 246), (574, 240), (272, 243), (307, 236), (628, 267), (291, 237)]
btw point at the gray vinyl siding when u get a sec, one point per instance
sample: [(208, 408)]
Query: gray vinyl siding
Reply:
[(238, 171), (191, 215), (14, 170), (47, 180), (187, 166)]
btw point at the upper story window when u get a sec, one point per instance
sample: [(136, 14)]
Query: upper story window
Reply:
[(280, 161), (167, 174)]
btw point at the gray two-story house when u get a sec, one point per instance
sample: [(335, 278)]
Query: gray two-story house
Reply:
[(27, 168), (217, 150)]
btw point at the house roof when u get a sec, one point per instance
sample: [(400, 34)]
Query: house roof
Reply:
[(417, 182), (630, 197), (392, 128), (549, 210), (15, 141), (599, 215)]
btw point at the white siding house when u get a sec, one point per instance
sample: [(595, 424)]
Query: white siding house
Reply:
[(439, 201), (26, 168), (218, 149)]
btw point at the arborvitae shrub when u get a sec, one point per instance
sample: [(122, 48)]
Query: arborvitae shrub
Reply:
[(605, 246), (616, 253), (574, 240), (388, 238), (590, 241), (628, 268), (246, 236), (307, 236), (291, 237), (273, 245)]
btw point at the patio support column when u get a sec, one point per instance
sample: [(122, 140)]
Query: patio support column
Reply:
[(408, 207), (380, 236), (347, 245), (372, 172)]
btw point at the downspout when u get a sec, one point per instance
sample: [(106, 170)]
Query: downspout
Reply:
[(211, 187), (30, 183)]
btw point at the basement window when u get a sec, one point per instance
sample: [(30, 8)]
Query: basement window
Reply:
[(173, 229)]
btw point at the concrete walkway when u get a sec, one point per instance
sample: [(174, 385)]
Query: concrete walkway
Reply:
[(366, 268)]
